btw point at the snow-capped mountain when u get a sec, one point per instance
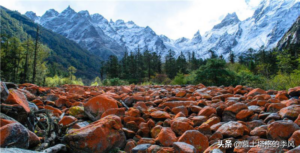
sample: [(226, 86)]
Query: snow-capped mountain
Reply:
[(82, 28), (271, 20), (96, 34)]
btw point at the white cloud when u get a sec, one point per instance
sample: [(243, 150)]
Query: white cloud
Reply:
[(175, 19)]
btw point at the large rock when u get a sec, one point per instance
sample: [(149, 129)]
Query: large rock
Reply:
[(14, 135), (207, 111), (142, 148), (3, 91), (281, 130), (181, 124), (256, 91), (100, 136), (17, 97), (294, 92), (99, 104), (16, 150), (290, 112), (181, 147), (295, 138), (166, 137), (195, 138), (231, 129), (235, 108), (160, 115)]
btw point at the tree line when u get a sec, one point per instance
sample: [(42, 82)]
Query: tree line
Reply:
[(142, 67), (266, 69)]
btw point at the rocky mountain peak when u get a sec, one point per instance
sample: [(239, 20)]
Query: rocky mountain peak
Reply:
[(197, 38), (49, 14), (31, 15), (68, 11), (230, 19), (84, 13)]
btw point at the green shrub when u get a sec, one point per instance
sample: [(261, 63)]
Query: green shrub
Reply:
[(97, 82), (179, 79), (58, 81), (114, 82), (283, 81)]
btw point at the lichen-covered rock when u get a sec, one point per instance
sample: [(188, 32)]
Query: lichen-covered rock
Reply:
[(100, 136), (99, 104), (17, 97), (231, 129), (281, 130), (14, 135), (290, 112), (181, 124), (195, 138), (294, 92), (181, 147), (160, 115), (166, 137)]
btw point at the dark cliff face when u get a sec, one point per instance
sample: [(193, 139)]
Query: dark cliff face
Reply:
[(291, 37)]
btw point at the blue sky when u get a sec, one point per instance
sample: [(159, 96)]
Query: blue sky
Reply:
[(175, 19)]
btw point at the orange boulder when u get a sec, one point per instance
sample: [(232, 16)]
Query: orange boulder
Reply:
[(160, 115), (290, 112), (99, 104), (295, 138), (115, 111), (207, 111), (166, 137), (14, 135), (195, 138), (99, 136), (181, 124), (66, 120), (56, 112), (17, 97), (231, 129), (281, 130), (256, 91), (182, 109)]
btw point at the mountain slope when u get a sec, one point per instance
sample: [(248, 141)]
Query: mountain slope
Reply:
[(291, 37), (65, 52)]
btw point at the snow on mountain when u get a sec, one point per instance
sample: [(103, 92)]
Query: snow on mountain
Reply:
[(270, 21), (96, 34)]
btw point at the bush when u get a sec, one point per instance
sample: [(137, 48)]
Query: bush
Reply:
[(214, 73), (179, 79), (97, 82), (190, 78), (115, 82), (58, 81), (283, 81), (160, 79)]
